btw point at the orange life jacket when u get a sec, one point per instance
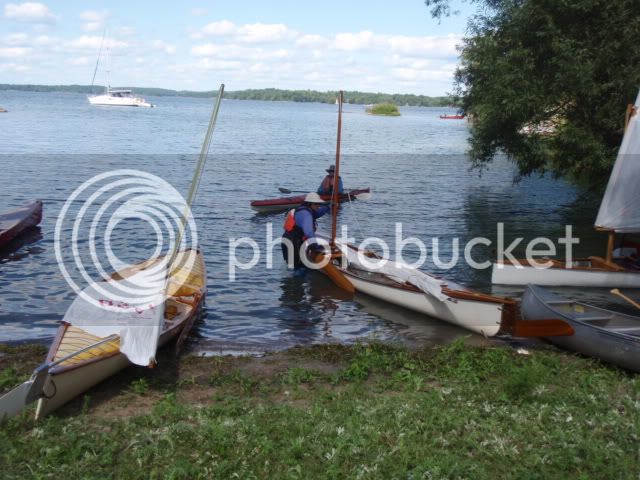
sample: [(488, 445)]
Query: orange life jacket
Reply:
[(290, 226)]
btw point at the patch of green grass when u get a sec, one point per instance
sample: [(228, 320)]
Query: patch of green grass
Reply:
[(9, 378), (140, 386), (451, 412), (386, 109)]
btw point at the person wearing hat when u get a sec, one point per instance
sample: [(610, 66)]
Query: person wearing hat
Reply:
[(300, 225), (326, 187)]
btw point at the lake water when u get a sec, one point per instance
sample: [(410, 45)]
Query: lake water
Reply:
[(415, 165)]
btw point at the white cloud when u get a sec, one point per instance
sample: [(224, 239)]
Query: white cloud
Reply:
[(165, 47), (79, 61), (29, 12), (14, 52), (264, 33), (94, 42), (94, 20), (213, 29), (15, 39), (44, 41), (13, 67), (312, 41), (237, 52), (354, 41), (251, 33)]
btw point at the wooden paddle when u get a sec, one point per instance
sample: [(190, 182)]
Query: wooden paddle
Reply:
[(334, 274), (359, 196), (617, 292)]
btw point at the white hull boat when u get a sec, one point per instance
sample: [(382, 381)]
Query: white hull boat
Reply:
[(591, 272), (119, 98), (618, 214), (78, 360)]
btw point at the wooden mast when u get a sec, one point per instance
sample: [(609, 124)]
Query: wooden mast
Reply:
[(336, 175)]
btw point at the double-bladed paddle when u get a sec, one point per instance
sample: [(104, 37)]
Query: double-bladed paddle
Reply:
[(359, 196)]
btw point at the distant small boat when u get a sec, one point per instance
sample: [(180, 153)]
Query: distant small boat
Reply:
[(451, 117), (14, 222), (610, 336), (3, 110)]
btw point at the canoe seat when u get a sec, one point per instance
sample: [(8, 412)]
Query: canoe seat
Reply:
[(593, 318), (624, 329)]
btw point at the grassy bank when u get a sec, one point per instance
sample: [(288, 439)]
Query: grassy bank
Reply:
[(367, 411)]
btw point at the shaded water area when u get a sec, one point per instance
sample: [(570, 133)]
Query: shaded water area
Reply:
[(415, 165)]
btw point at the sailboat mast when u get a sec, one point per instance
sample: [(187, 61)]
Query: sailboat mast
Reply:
[(336, 175)]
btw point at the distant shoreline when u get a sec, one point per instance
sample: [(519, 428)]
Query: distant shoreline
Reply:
[(265, 94)]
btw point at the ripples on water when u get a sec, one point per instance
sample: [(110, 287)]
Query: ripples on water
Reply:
[(414, 164)]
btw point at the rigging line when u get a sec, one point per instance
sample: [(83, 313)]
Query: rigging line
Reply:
[(197, 175), (354, 215), (95, 70)]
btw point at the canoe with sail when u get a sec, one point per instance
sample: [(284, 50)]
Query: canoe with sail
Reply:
[(355, 269), (619, 214), (101, 335)]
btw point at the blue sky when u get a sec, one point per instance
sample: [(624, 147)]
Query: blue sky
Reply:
[(361, 45)]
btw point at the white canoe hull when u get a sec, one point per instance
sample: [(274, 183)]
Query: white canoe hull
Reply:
[(480, 317), (63, 387), (108, 100), (506, 274)]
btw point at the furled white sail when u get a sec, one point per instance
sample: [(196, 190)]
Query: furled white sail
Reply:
[(620, 207), (100, 311), (398, 271)]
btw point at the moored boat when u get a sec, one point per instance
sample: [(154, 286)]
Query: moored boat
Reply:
[(78, 360), (118, 98), (357, 270), (451, 117), (14, 222), (618, 215), (609, 336), (282, 204)]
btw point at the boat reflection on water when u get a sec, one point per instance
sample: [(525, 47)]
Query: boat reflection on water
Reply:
[(416, 329), (20, 247), (311, 297)]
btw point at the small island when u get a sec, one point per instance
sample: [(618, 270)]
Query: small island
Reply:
[(386, 109)]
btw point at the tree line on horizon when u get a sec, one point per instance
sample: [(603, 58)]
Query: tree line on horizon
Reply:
[(266, 94)]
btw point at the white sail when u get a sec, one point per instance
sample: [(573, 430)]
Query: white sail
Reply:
[(139, 327), (620, 207)]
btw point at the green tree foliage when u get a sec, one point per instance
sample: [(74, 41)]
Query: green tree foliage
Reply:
[(548, 81)]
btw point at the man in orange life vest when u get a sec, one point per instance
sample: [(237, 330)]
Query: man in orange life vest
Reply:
[(326, 187), (300, 226)]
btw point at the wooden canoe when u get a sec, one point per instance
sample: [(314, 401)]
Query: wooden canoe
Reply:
[(609, 336), (86, 366), (282, 204), (478, 312), (583, 272), (14, 222)]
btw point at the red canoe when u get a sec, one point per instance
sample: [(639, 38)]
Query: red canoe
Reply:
[(14, 222), (285, 203), (452, 117)]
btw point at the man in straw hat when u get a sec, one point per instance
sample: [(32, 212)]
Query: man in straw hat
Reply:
[(326, 187), (300, 226)]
